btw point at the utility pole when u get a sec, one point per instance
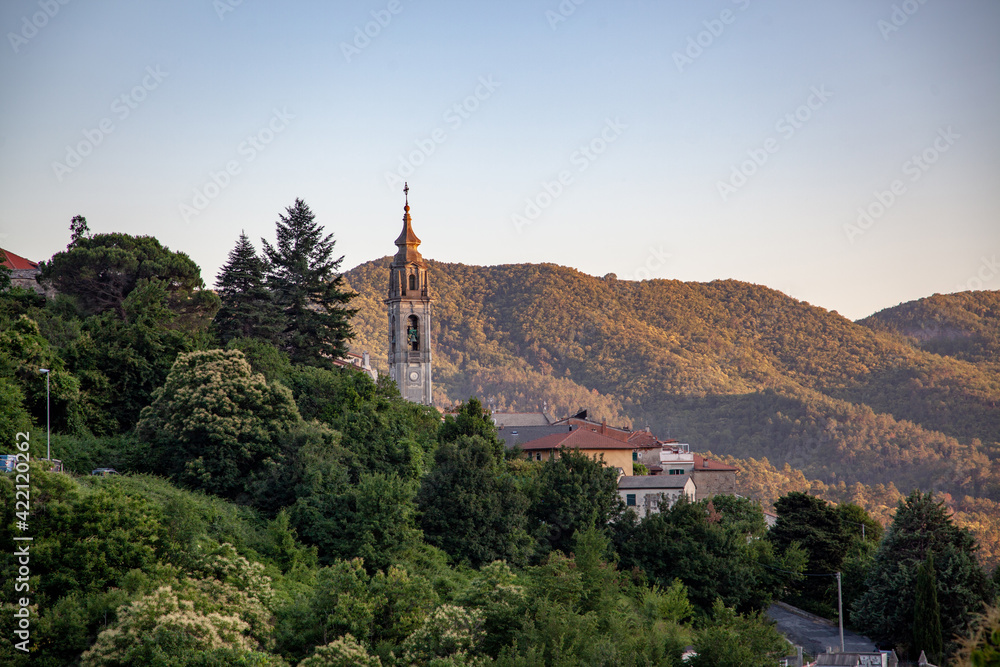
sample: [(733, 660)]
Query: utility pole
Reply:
[(840, 612)]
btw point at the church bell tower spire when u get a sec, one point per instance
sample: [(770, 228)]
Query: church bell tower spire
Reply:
[(409, 310)]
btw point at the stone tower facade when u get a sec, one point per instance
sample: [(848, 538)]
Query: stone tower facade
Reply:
[(409, 306)]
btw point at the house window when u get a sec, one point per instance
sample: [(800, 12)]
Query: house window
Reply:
[(538, 456), (676, 471), (630, 499), (635, 456)]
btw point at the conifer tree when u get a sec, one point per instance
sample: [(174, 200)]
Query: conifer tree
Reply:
[(922, 526), (927, 634), (303, 276), (248, 309)]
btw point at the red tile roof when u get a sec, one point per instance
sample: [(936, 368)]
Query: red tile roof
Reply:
[(12, 261), (701, 463), (579, 438)]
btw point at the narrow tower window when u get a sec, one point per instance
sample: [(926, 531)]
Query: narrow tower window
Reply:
[(413, 282), (413, 332)]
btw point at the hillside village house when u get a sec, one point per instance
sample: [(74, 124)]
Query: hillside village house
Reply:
[(648, 494), (613, 452), (23, 272), (674, 469)]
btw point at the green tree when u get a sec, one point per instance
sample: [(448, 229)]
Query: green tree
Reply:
[(712, 558), (733, 640), (922, 526), (120, 362), (23, 351), (742, 514), (14, 416), (102, 269), (302, 274), (373, 519), (859, 524), (78, 229), (472, 419), (572, 492), (981, 648), (215, 425), (264, 358), (927, 613), (496, 593), (248, 309), (194, 622), (343, 652), (384, 433), (471, 508), (816, 527)]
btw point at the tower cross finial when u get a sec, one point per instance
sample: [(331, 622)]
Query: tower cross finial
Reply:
[(406, 191)]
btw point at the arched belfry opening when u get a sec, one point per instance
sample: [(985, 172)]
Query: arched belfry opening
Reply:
[(413, 332), (409, 311)]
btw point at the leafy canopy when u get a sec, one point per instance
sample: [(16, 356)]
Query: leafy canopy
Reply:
[(215, 425), (100, 270)]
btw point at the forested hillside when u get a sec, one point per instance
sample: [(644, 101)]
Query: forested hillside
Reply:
[(740, 369), (273, 509), (964, 326)]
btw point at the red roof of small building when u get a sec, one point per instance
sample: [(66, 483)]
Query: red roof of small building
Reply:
[(16, 262), (701, 463), (580, 438)]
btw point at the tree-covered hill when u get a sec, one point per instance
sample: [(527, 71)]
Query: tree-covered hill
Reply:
[(964, 326), (737, 368)]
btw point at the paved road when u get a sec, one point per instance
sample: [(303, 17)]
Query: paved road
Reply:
[(815, 636)]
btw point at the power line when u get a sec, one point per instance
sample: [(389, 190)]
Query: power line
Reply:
[(804, 574)]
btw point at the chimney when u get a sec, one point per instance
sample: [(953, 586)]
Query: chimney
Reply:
[(604, 426)]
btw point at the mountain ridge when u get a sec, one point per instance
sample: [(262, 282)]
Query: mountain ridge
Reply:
[(741, 369)]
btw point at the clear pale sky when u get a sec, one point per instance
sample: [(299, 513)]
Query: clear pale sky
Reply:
[(121, 111)]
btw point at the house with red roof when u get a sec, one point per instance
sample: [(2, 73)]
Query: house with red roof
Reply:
[(612, 451), (23, 272)]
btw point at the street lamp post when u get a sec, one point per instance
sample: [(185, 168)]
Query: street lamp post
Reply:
[(48, 422)]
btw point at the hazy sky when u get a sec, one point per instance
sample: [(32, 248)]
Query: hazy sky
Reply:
[(696, 141)]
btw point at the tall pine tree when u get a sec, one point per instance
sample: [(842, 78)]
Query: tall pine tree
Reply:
[(927, 636), (248, 309), (922, 526), (303, 276)]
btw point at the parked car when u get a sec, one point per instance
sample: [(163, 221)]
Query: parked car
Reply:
[(103, 471)]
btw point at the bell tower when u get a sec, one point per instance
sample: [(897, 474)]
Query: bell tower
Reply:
[(409, 306)]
